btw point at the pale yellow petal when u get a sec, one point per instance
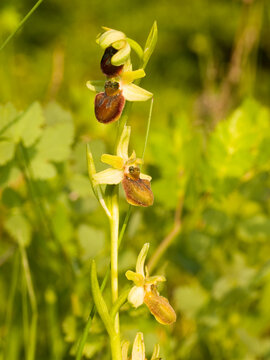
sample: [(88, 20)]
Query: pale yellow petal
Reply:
[(133, 92), (108, 176), (138, 350), (115, 161)]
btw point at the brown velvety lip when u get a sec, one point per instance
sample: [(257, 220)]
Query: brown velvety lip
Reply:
[(109, 108), (138, 191)]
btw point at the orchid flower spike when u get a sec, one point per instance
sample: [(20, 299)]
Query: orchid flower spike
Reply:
[(125, 169), (119, 87), (145, 291)]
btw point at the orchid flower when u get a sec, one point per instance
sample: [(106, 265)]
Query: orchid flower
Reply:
[(124, 169), (145, 291)]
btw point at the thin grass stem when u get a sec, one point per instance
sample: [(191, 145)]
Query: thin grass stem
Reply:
[(20, 24)]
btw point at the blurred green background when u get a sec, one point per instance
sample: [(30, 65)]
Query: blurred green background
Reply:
[(208, 154)]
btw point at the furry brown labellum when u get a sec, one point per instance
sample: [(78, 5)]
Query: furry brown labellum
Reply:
[(110, 103), (138, 191), (106, 66), (160, 307)]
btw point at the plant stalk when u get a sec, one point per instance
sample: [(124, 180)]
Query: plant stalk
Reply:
[(114, 227)]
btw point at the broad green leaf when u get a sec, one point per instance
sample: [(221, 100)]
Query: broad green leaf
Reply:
[(55, 114), (29, 126), (8, 117), (150, 44), (7, 149), (235, 144), (19, 228), (55, 142), (42, 169)]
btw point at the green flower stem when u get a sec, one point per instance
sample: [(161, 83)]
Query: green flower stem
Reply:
[(114, 226), (33, 303), (104, 282)]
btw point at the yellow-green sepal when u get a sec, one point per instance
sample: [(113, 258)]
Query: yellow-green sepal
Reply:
[(115, 161), (121, 56), (95, 85)]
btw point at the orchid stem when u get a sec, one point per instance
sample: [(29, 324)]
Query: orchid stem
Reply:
[(114, 227)]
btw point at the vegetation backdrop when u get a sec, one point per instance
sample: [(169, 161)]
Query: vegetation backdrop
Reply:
[(208, 154)]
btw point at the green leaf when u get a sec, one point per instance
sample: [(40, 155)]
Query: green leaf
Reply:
[(55, 142), (19, 228), (7, 150), (150, 44), (8, 117), (42, 169), (100, 302), (29, 126)]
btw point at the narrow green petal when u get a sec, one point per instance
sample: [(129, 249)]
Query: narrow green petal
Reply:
[(130, 76), (138, 350), (121, 56), (150, 44), (108, 37), (141, 259), (145, 177), (95, 85), (134, 92), (115, 161), (122, 147), (152, 280), (136, 47), (109, 176), (138, 279)]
